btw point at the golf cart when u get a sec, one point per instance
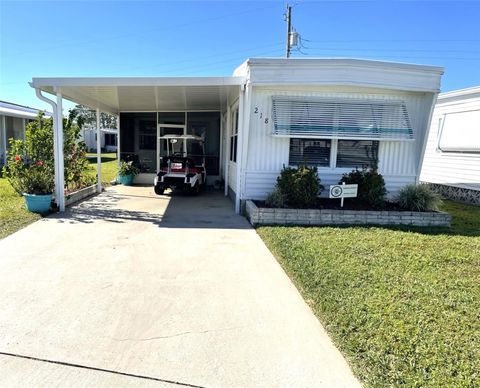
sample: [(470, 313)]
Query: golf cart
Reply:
[(183, 167)]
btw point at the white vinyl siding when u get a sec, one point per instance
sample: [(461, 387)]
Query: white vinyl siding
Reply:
[(457, 169), (267, 154)]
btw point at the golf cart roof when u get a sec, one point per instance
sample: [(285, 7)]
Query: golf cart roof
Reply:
[(183, 137)]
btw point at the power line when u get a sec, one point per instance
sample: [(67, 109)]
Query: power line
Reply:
[(392, 50), (130, 34)]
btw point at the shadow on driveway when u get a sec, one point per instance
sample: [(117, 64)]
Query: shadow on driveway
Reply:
[(137, 203)]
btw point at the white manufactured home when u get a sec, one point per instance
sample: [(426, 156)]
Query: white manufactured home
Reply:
[(336, 114), (108, 139), (13, 120), (452, 156)]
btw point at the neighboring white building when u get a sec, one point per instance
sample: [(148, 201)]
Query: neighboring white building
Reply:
[(335, 113), (13, 120), (452, 156), (108, 139)]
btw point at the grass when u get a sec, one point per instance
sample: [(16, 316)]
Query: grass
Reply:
[(109, 166), (402, 305), (13, 215)]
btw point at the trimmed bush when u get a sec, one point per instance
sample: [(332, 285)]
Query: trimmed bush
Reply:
[(371, 187), (418, 198), (297, 187), (275, 199)]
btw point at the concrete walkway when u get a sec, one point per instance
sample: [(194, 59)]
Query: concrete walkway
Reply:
[(131, 289)]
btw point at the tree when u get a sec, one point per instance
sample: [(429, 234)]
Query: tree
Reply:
[(89, 117)]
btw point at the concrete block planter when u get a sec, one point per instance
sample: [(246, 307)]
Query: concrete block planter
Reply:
[(77, 196), (268, 216)]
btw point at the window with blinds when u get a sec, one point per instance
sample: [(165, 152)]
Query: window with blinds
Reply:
[(312, 152), (303, 117), (357, 153)]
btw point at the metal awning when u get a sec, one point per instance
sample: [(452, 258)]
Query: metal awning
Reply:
[(114, 95), (342, 118)]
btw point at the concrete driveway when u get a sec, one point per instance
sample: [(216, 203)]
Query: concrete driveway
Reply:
[(131, 289)]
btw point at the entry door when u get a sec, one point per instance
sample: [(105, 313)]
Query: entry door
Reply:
[(163, 147)]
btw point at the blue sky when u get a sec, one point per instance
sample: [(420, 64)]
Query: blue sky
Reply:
[(196, 38)]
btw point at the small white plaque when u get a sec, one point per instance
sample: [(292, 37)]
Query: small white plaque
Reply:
[(343, 191)]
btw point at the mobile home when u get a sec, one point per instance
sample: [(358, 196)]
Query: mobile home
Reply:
[(452, 157), (13, 120), (336, 114)]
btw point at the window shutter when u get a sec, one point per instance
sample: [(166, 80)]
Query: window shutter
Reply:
[(341, 119)]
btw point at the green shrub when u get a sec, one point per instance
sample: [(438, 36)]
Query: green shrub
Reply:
[(418, 198), (298, 187), (371, 187), (38, 148), (128, 168), (275, 199)]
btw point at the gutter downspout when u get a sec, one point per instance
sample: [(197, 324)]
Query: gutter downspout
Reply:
[(57, 146)]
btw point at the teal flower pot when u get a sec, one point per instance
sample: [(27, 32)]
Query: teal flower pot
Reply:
[(126, 180), (38, 203)]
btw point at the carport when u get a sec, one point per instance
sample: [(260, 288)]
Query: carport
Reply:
[(164, 99)]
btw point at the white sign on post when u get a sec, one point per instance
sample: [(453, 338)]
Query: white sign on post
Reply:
[(343, 191)]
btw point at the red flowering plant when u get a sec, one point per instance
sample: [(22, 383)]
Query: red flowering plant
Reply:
[(27, 175)]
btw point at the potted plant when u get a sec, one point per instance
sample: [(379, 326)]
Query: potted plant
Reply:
[(34, 180), (127, 172)]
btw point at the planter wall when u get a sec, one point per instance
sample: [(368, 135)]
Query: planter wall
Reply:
[(77, 196), (268, 216)]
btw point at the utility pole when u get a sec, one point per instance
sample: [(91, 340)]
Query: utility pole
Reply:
[(288, 17)]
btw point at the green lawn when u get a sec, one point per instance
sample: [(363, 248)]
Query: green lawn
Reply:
[(402, 305), (109, 166), (13, 215)]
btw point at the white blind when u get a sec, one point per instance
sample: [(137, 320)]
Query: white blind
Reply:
[(460, 132), (341, 118)]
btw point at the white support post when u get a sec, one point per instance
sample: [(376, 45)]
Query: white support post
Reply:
[(228, 131), (4, 137), (99, 156), (118, 140), (241, 132), (58, 155)]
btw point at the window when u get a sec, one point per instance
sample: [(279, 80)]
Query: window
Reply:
[(346, 153), (460, 132), (110, 139), (147, 135), (357, 153), (313, 152), (234, 137)]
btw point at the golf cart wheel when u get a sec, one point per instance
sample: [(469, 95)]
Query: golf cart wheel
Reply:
[(159, 190), (195, 190)]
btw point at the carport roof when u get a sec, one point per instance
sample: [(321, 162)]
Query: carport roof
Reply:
[(118, 94)]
